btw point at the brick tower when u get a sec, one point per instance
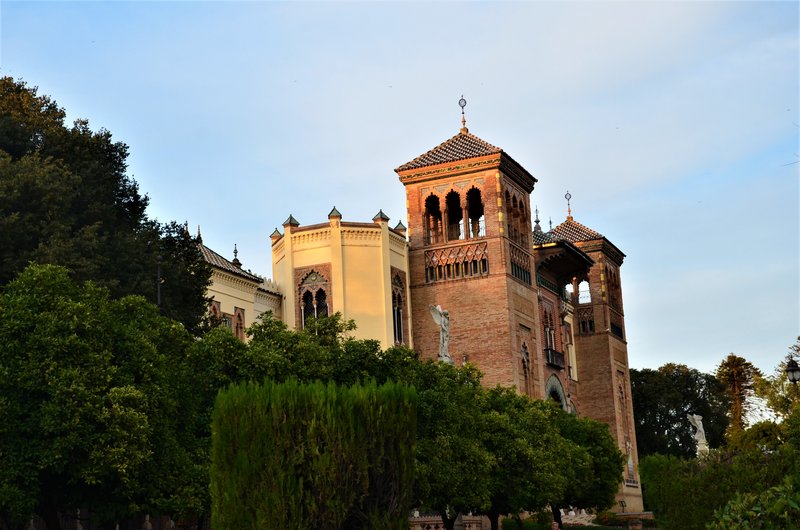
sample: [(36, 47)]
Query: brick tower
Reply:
[(605, 389), (470, 253)]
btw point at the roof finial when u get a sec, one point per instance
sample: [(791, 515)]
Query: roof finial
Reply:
[(536, 226), (199, 237), (568, 196), (463, 103), (551, 224), (236, 257)]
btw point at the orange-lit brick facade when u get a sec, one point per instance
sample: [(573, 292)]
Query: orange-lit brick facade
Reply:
[(473, 251)]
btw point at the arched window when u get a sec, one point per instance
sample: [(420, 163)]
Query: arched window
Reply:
[(307, 307), (238, 324), (397, 316), (433, 220), (455, 216), (321, 302), (475, 213), (584, 295), (554, 390), (313, 297), (526, 367)]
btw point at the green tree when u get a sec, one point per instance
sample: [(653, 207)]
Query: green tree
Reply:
[(66, 199), (661, 400), (779, 392), (530, 456), (685, 493), (86, 402), (594, 484), (739, 378), (451, 462)]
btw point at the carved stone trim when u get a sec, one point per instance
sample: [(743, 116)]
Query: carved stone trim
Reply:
[(323, 271)]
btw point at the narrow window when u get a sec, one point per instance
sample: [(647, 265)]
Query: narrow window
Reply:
[(433, 220), (307, 308), (397, 317), (584, 295), (238, 328), (475, 212), (455, 216), (321, 304)]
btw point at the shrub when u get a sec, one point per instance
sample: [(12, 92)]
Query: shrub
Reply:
[(296, 456), (778, 507)]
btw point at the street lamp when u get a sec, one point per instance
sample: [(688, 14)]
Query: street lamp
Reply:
[(793, 371)]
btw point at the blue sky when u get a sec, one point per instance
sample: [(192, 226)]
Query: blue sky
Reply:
[(673, 125)]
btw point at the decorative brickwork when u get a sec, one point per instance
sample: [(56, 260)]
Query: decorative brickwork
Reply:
[(451, 263), (313, 288)]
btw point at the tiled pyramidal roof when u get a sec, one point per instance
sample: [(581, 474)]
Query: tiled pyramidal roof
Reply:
[(540, 238), (460, 147), (573, 232), (215, 260)]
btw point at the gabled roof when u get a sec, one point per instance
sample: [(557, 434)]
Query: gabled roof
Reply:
[(460, 147), (215, 260), (573, 231)]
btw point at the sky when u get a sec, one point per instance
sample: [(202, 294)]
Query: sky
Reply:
[(673, 125)]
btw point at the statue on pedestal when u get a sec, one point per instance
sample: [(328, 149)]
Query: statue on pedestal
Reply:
[(442, 318), (699, 434)]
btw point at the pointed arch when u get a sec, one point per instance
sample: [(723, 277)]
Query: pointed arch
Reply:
[(554, 390), (475, 213), (455, 216)]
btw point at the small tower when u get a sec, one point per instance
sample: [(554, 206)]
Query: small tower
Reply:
[(601, 348), (470, 253)]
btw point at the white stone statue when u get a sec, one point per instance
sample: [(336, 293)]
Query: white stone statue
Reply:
[(442, 318), (699, 434)]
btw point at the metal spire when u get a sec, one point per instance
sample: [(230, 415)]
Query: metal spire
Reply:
[(536, 226), (463, 103), (568, 196)]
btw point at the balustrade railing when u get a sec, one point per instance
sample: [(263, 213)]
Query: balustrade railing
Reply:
[(554, 357)]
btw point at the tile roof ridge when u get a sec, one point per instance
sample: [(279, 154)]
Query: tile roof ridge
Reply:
[(224, 263), (420, 161)]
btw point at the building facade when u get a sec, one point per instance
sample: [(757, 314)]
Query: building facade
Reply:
[(538, 311)]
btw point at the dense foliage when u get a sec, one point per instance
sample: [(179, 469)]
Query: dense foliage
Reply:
[(296, 456), (738, 376), (88, 401), (662, 399), (96, 392), (777, 507), (778, 391), (685, 493), (66, 199)]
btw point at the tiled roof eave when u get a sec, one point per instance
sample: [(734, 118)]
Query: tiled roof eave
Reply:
[(456, 167)]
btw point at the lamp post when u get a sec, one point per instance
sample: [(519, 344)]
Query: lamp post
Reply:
[(792, 371)]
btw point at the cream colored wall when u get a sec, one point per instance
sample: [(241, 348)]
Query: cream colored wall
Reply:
[(360, 257), (268, 299), (231, 291)]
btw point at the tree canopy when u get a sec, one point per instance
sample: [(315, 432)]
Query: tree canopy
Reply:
[(66, 199), (88, 405), (739, 377), (661, 400)]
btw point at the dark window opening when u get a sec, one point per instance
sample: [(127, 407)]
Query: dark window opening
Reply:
[(475, 213), (455, 216), (433, 220)]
